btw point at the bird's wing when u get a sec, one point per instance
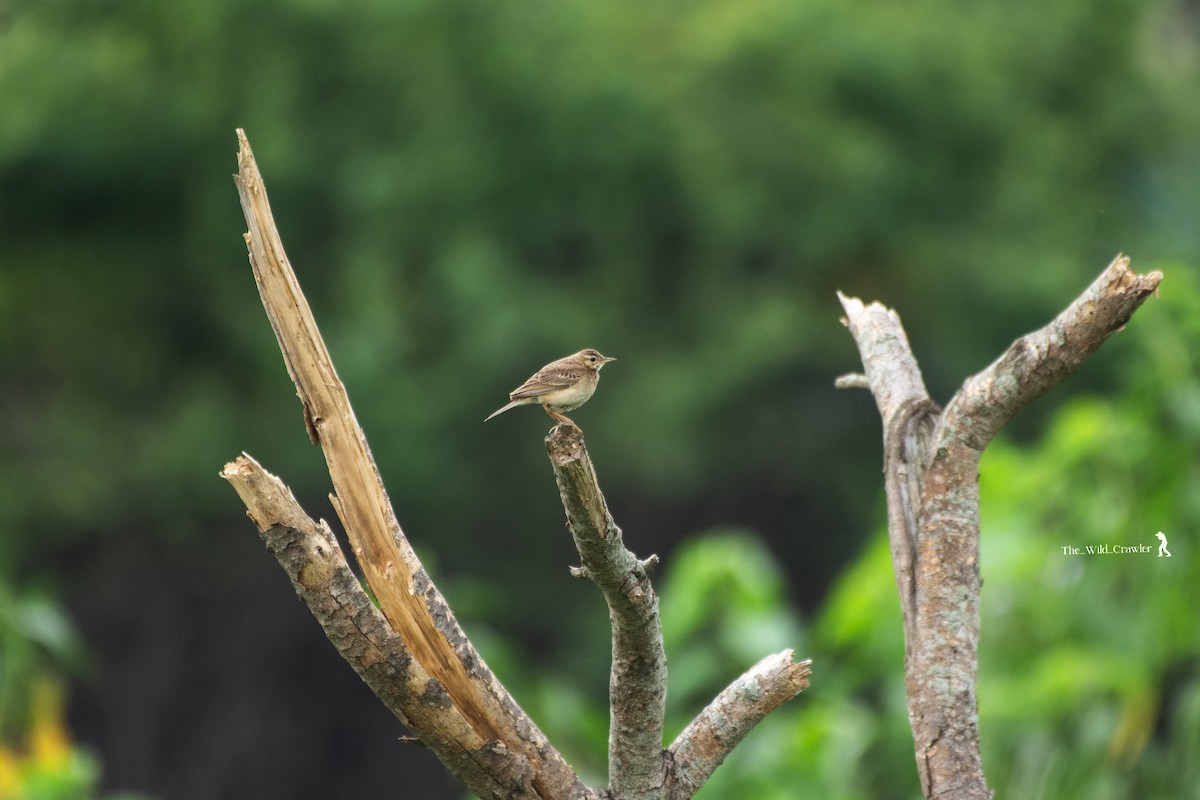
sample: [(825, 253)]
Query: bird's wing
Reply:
[(549, 379)]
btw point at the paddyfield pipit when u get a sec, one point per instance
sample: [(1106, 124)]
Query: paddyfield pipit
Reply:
[(562, 385)]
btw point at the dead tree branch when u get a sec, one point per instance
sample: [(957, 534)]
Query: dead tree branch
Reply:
[(638, 682), (638, 766), (498, 735), (931, 465), (716, 730), (411, 651), (312, 558)]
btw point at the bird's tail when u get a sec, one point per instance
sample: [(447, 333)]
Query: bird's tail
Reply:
[(501, 410)]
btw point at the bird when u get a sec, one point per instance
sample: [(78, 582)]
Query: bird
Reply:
[(562, 385)]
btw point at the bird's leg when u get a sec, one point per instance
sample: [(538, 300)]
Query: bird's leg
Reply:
[(557, 417)]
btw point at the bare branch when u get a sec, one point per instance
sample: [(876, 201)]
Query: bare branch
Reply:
[(410, 650), (888, 363), (311, 557), (1038, 361), (637, 766), (716, 730), (638, 684), (407, 598), (931, 463), (895, 380), (851, 380)]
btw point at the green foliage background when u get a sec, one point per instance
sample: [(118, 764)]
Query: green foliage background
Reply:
[(469, 190)]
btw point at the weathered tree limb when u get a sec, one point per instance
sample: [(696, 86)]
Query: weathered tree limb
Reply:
[(410, 650), (1041, 360), (638, 682), (931, 463), (901, 397), (638, 765), (716, 730), (409, 601), (312, 558)]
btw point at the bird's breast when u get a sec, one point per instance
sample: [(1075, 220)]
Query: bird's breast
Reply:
[(570, 397)]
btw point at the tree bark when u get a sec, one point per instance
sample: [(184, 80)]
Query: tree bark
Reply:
[(638, 681), (931, 476), (410, 649), (313, 560), (500, 753), (639, 767), (716, 730)]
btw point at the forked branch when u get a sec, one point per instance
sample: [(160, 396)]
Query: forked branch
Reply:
[(638, 682), (931, 475), (411, 651), (488, 740), (638, 765)]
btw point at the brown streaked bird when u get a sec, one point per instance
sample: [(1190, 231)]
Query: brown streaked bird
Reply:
[(562, 385)]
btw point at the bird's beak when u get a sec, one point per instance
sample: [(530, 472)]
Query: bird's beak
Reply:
[(607, 360)]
